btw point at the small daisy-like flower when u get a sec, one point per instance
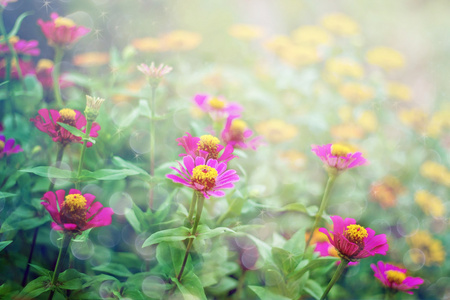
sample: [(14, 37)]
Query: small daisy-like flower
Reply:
[(75, 212), (7, 147), (47, 121), (154, 74), (395, 278), (338, 158), (353, 241), (217, 107), (20, 46), (208, 177), (206, 146), (62, 32), (237, 134)]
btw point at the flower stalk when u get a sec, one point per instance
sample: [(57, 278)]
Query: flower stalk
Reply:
[(83, 151), (59, 53), (152, 141), (323, 205), (195, 196), (62, 253), (201, 200), (335, 277)]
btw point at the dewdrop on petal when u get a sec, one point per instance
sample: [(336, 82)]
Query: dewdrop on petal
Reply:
[(92, 107)]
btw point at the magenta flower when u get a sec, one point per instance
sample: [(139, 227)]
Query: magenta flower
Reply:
[(208, 177), (326, 249), (353, 241), (20, 46), (237, 134), (395, 278), (47, 120), (206, 146), (7, 147), (62, 32), (5, 2), (217, 107), (75, 212), (44, 73), (26, 66), (338, 157)]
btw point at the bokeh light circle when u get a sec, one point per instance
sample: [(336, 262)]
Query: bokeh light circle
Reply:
[(417, 263), (120, 202), (140, 141), (407, 225), (153, 287), (82, 250)]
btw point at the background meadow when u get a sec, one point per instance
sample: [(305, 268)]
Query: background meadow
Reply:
[(369, 75)]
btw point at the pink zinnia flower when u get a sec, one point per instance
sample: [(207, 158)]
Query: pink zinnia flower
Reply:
[(44, 73), (338, 157), (154, 72), (326, 249), (7, 147), (20, 46), (26, 66), (75, 212), (217, 107), (47, 120), (62, 32), (395, 278), (206, 146), (237, 134), (208, 177), (353, 241), (5, 2)]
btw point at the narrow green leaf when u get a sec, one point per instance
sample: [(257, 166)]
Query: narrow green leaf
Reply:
[(49, 172), (73, 130), (313, 288), (297, 207), (41, 271), (191, 288), (168, 235), (107, 174), (4, 195), (263, 293), (18, 22), (120, 162), (314, 264), (296, 244), (204, 232), (114, 269), (36, 287), (4, 244)]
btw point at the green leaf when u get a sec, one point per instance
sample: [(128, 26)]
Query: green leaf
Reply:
[(36, 287), (120, 162), (313, 288), (204, 232), (225, 285), (285, 260), (297, 207), (106, 174), (136, 218), (296, 244), (170, 257), (4, 244), (114, 269), (73, 130), (71, 279), (4, 195), (41, 271), (24, 217), (19, 21), (263, 249), (264, 293), (190, 287), (49, 172), (144, 109), (168, 235), (314, 264)]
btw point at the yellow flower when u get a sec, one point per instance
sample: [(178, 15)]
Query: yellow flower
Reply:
[(277, 131), (431, 248), (337, 69), (311, 36), (245, 32), (91, 59), (347, 131), (415, 118), (435, 172), (299, 56), (340, 24), (368, 121), (398, 91), (279, 44), (386, 58), (430, 204), (44, 64), (439, 122), (296, 160), (181, 40), (148, 44), (356, 92)]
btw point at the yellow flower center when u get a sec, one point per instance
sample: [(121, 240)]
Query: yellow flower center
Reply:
[(216, 103), (73, 210), (356, 234), (61, 21), (204, 175), (339, 150), (395, 276), (209, 144), (2, 146), (12, 40), (238, 125), (67, 116), (44, 64)]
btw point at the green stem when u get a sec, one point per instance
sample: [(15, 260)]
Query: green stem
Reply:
[(240, 285), (36, 230), (335, 277), (59, 53), (152, 142), (390, 293), (322, 207), (201, 200), (62, 253), (195, 196), (83, 151), (10, 47)]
